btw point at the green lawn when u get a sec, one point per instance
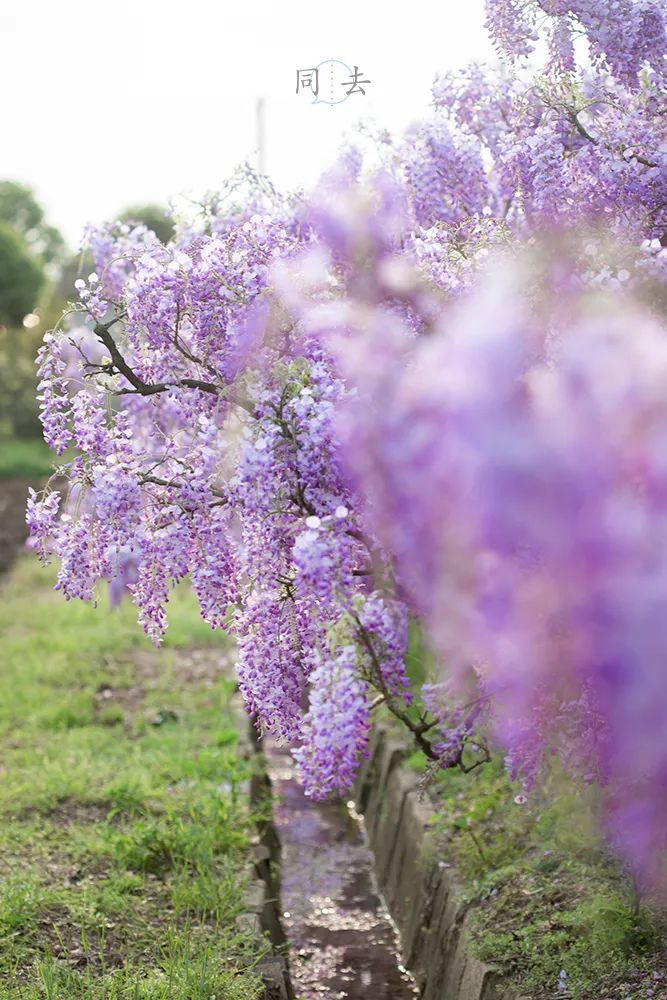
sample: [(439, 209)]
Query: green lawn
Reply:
[(24, 459), (124, 821)]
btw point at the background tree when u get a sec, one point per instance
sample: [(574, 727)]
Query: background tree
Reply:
[(20, 210), (21, 277), (32, 254), (153, 216)]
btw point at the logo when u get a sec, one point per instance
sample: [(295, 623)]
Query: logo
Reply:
[(331, 82)]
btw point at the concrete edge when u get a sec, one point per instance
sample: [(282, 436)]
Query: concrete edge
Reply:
[(261, 914), (422, 895)]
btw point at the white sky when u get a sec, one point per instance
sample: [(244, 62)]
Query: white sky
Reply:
[(125, 101)]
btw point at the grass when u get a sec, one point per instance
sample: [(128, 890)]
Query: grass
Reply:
[(125, 828), (27, 458), (547, 904)]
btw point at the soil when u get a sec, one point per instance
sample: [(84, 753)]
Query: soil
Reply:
[(13, 531)]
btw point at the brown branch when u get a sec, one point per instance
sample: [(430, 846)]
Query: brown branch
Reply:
[(177, 484), (583, 132), (142, 388), (418, 729)]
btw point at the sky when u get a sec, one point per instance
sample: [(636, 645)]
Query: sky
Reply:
[(121, 102)]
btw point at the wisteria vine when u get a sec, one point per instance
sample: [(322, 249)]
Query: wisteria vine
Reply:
[(435, 389)]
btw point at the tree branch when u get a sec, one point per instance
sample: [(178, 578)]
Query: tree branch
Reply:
[(142, 388)]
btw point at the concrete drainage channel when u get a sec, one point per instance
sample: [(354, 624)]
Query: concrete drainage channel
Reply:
[(368, 909), (422, 894), (343, 942)]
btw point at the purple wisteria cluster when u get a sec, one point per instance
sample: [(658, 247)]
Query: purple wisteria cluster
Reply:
[(623, 37), (435, 387), (517, 472), (202, 422)]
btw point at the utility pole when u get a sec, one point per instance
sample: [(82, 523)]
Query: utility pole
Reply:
[(261, 136)]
